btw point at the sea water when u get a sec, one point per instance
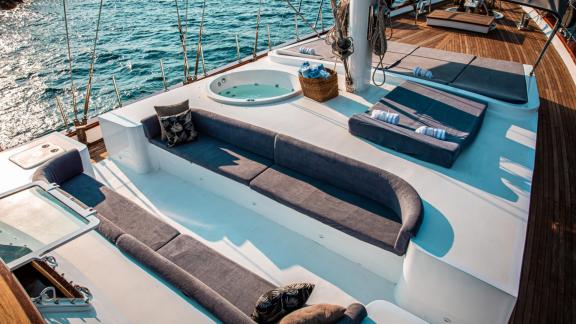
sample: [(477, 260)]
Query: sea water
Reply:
[(254, 91), (134, 36)]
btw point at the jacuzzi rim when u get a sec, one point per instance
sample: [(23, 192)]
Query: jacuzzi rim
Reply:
[(244, 102)]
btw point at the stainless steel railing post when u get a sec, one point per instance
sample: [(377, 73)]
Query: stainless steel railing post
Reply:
[(117, 92), (237, 48), (269, 42), (163, 75)]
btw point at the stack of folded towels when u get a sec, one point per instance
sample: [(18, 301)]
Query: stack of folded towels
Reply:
[(307, 50), (388, 117), (433, 132), (313, 71)]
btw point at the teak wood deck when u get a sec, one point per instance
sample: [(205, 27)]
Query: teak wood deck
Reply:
[(548, 284)]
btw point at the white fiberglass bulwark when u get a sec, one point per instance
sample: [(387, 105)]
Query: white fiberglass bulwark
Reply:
[(465, 261)]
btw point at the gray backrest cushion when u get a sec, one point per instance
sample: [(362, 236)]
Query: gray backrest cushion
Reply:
[(151, 126), (348, 174), (183, 281), (249, 137), (60, 168)]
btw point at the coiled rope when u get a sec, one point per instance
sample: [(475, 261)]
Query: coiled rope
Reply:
[(378, 20), (337, 37)]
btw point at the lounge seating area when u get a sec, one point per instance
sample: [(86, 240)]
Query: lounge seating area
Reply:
[(221, 286), (363, 201), (418, 105), (501, 80)]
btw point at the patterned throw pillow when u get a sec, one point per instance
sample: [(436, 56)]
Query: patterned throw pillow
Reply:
[(315, 314), (276, 303), (178, 128), (170, 110)]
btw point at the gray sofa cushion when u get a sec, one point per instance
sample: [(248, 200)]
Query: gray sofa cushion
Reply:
[(502, 80), (122, 212), (248, 137), (350, 213), (443, 71), (187, 283), (357, 177), (117, 214), (231, 281), (220, 157), (419, 105)]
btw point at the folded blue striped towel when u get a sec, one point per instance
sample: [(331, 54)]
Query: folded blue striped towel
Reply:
[(422, 72), (438, 133), (390, 118), (307, 50)]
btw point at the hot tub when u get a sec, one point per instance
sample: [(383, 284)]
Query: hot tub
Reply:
[(253, 87)]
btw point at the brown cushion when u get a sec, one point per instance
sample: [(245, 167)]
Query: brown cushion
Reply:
[(163, 111), (315, 314)]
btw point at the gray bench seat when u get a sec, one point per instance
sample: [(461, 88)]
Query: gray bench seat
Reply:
[(220, 157), (342, 182), (112, 208), (350, 213), (224, 276), (250, 154), (419, 105), (502, 80), (224, 288)]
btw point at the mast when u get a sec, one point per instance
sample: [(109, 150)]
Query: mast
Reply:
[(361, 60)]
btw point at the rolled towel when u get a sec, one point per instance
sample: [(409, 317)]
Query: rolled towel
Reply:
[(307, 50), (422, 72), (388, 117), (313, 71), (305, 69), (431, 131)]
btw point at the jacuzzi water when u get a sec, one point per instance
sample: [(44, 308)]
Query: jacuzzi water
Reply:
[(254, 91), (253, 87)]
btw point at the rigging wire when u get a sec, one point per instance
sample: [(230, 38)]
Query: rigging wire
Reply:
[(183, 39), (91, 76), (199, 50), (72, 88)]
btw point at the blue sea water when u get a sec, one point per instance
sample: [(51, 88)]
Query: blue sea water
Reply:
[(134, 36)]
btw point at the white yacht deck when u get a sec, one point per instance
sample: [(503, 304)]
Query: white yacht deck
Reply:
[(475, 213)]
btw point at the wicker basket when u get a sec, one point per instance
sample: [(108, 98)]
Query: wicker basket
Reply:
[(320, 89)]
